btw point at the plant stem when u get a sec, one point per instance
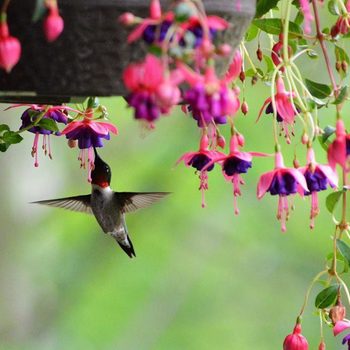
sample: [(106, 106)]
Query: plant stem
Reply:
[(4, 7), (306, 299)]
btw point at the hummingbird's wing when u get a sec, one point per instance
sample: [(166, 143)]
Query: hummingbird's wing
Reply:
[(77, 203), (132, 201)]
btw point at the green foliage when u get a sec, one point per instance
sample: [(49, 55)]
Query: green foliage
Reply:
[(333, 199), (264, 6), (327, 296), (318, 90), (275, 26), (344, 250)]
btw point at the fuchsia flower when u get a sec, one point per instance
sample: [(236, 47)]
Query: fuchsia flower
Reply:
[(283, 182), (89, 134), (210, 99), (234, 164), (295, 341), (10, 48), (286, 111), (53, 24), (339, 149), (152, 92), (199, 160), (318, 177), (58, 114)]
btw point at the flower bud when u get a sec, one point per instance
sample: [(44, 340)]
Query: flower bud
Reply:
[(72, 143), (240, 140), (344, 66), (337, 312), (295, 341), (335, 31), (155, 9), (296, 163), (259, 54), (338, 66), (242, 76), (53, 25), (127, 18), (304, 139), (254, 79), (322, 346), (220, 140), (10, 49), (244, 108), (224, 50)]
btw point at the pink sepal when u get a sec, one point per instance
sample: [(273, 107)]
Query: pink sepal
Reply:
[(340, 326)]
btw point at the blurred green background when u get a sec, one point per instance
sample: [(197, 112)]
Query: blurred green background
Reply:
[(202, 279)]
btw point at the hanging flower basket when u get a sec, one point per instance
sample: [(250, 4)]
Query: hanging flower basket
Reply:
[(89, 57)]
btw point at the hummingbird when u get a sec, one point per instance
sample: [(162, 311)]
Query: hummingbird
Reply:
[(108, 207)]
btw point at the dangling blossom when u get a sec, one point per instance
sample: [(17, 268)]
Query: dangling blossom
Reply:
[(10, 48), (59, 114), (89, 133), (286, 111), (53, 24), (295, 341), (152, 90), (317, 177), (234, 164), (283, 182), (339, 149), (211, 100), (277, 52), (199, 160), (308, 18), (342, 25)]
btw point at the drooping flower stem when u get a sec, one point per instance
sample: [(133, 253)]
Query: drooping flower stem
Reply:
[(4, 8), (285, 33), (307, 295), (320, 38)]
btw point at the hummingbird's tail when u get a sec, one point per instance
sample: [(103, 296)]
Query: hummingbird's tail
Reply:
[(128, 247)]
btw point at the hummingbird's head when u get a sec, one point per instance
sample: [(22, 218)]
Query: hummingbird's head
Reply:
[(101, 175)]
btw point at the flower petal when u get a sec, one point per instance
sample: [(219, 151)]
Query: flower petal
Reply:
[(331, 175), (71, 126), (340, 326), (299, 177), (264, 183)]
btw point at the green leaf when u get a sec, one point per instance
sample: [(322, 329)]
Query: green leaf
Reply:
[(341, 55), (274, 26), (4, 147), (333, 7), (269, 63), (264, 6), (155, 50), (332, 200), (11, 137), (323, 139), (251, 73), (48, 124), (39, 10), (318, 90), (251, 33), (93, 102), (341, 96), (4, 127), (344, 250), (299, 18), (327, 296)]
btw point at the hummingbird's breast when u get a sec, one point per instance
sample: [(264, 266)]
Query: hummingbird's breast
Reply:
[(105, 208)]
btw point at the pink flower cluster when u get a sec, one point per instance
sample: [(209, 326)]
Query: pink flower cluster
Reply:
[(10, 46)]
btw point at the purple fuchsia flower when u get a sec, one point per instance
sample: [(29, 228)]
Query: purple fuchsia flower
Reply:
[(283, 182), (339, 149), (89, 133), (286, 111), (152, 90), (318, 177), (59, 114), (199, 160), (210, 99), (234, 164)]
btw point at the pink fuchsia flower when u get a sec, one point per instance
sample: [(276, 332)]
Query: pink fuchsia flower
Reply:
[(340, 327), (199, 160), (10, 48), (339, 149), (152, 92), (286, 111), (283, 182), (53, 24), (308, 18), (318, 177), (58, 114), (295, 341), (89, 134), (234, 164), (210, 99)]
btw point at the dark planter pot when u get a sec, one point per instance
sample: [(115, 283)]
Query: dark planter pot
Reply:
[(89, 57)]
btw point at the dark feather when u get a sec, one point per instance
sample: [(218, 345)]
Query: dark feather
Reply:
[(78, 203), (132, 201)]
